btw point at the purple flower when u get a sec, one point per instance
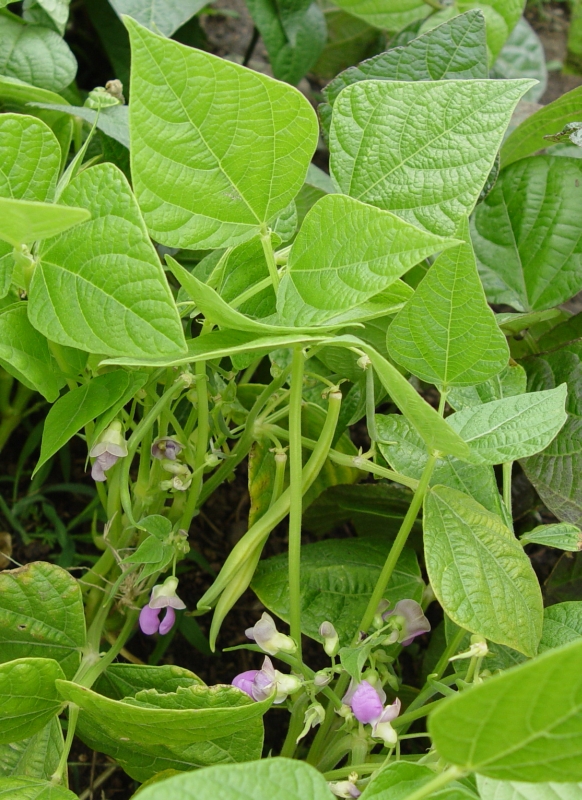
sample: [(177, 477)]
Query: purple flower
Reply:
[(244, 681), (110, 446), (149, 620), (365, 702), (166, 447), (382, 728), (162, 596), (408, 620)]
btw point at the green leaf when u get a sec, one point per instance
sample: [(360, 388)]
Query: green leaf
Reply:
[(243, 267), (155, 553), (349, 39), (393, 17), (78, 299), (562, 624), (454, 50), (270, 779), (43, 12), (41, 614), (290, 58), (525, 234), (261, 479), (126, 680), (24, 353), (431, 427), (29, 697), (25, 221), (528, 137), (446, 334), (523, 56), (36, 757), (338, 577), (35, 54), (490, 789), (510, 382), (429, 172), (565, 581), (345, 253), (28, 789), (479, 571), (561, 535), (407, 454), (530, 722), (556, 473), (113, 121), (80, 406), (193, 727), (161, 17), (201, 179), (512, 428), (399, 779)]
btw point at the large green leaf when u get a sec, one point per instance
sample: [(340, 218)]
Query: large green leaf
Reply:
[(338, 577), (113, 120), (511, 428), (556, 473), (126, 680), (490, 789), (511, 381), (29, 789), (479, 571), (49, 13), (528, 137), (35, 54), (26, 221), (160, 16), (291, 56), (526, 237), (562, 624), (193, 727), (431, 172), (345, 253), (391, 16), (400, 779), (41, 614), (523, 56), (407, 454), (271, 779), (82, 405), (446, 333), (36, 757), (101, 287), (217, 150), (29, 697), (454, 50), (530, 722), (24, 353)]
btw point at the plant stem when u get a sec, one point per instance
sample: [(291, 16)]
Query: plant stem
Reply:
[(507, 470), (398, 545), (12, 416), (296, 497), (450, 774), (270, 257), (295, 726), (57, 776), (202, 433)]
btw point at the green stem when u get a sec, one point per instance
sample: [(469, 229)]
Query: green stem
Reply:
[(202, 433), (507, 470), (57, 776), (97, 669), (450, 774), (250, 292), (270, 257), (295, 726), (361, 769), (12, 417), (398, 545), (296, 497), (371, 406)]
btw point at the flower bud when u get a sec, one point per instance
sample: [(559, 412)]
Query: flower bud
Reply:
[(330, 638), (174, 467), (314, 715), (165, 448), (266, 635), (321, 679)]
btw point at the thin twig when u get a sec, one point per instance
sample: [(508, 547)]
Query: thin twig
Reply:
[(88, 793)]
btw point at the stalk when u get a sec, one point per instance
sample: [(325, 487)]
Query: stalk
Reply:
[(295, 497)]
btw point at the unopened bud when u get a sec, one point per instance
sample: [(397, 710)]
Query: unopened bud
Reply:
[(321, 679), (330, 638)]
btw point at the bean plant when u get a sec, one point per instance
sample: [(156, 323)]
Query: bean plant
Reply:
[(221, 298)]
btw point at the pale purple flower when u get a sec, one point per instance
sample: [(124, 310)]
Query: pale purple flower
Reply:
[(244, 681), (366, 703), (110, 447), (164, 595), (409, 621), (382, 728), (266, 635), (166, 447)]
